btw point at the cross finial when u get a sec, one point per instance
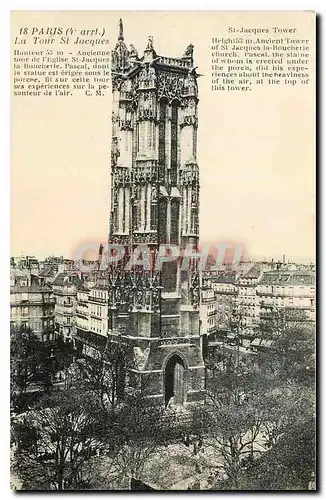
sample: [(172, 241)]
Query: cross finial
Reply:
[(120, 30)]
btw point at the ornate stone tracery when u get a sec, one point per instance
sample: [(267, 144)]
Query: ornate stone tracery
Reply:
[(121, 177), (170, 86)]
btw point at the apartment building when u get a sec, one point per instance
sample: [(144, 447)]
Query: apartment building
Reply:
[(31, 304), (92, 312), (208, 312), (294, 290), (247, 301), (65, 291)]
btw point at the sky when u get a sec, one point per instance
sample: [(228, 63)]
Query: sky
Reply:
[(256, 150)]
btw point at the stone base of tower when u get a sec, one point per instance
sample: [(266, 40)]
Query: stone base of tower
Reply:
[(172, 369), (168, 364)]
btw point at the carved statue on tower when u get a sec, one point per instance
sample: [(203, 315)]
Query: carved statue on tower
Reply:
[(189, 52), (133, 52)]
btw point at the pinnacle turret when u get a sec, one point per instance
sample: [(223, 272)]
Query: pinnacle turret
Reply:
[(120, 37)]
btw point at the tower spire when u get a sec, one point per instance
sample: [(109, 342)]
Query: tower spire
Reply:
[(120, 30)]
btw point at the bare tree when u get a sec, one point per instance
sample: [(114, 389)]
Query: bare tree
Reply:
[(292, 345), (103, 371), (254, 399), (25, 356), (54, 443), (235, 412), (144, 428)]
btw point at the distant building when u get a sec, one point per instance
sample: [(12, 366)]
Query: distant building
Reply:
[(242, 302), (82, 317), (247, 303), (65, 290), (31, 304), (52, 260), (295, 290), (66, 265), (98, 310), (92, 313), (226, 294), (48, 273), (25, 262), (208, 313)]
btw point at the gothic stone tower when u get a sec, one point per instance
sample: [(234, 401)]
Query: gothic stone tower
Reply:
[(155, 201)]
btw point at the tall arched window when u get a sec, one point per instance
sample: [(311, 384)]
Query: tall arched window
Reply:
[(154, 214), (161, 140), (141, 132), (162, 219), (174, 143), (174, 235)]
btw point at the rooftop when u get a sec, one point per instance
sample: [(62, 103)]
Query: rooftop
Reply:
[(30, 289), (288, 278), (47, 272), (16, 272), (227, 278), (67, 278), (83, 288), (254, 271)]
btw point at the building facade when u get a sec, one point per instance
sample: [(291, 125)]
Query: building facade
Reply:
[(65, 291), (155, 201), (208, 310), (244, 303), (81, 333), (248, 302), (226, 295), (31, 304), (92, 313), (293, 290)]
